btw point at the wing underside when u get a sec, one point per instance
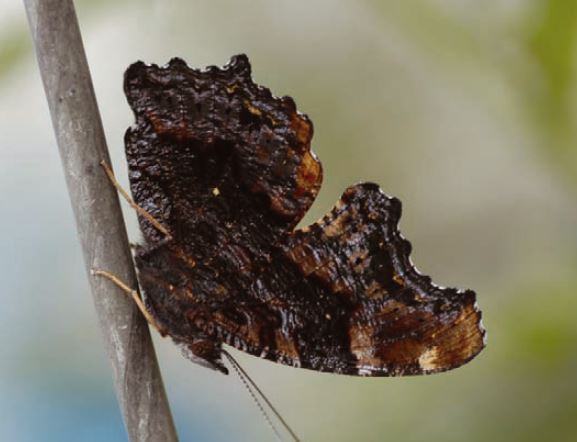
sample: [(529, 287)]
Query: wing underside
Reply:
[(339, 296)]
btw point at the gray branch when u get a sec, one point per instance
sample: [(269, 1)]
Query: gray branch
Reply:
[(101, 229)]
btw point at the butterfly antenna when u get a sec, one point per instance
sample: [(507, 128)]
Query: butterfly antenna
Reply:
[(255, 393)]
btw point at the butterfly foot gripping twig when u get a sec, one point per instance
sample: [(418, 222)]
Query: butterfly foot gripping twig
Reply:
[(157, 224), (134, 295)]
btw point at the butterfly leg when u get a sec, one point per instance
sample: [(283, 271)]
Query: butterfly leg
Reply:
[(134, 295), (159, 226)]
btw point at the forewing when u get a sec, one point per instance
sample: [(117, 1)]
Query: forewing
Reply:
[(214, 132)]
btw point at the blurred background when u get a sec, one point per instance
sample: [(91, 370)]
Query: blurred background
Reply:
[(465, 110)]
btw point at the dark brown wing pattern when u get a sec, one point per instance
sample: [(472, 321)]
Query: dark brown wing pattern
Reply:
[(228, 169), (397, 321)]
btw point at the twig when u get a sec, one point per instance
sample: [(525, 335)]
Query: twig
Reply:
[(99, 221)]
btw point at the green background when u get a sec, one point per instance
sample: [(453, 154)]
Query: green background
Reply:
[(463, 109)]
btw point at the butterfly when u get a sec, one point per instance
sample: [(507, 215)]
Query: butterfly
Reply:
[(227, 169)]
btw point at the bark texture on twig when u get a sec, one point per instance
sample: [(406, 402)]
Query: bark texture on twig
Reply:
[(101, 229)]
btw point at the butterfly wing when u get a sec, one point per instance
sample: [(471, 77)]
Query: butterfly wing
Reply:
[(340, 296), (397, 321), (204, 133), (228, 169)]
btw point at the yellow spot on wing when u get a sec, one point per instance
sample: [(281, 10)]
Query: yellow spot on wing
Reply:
[(187, 259), (253, 110), (399, 280), (428, 359)]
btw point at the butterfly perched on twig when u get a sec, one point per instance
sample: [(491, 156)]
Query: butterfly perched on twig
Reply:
[(227, 169)]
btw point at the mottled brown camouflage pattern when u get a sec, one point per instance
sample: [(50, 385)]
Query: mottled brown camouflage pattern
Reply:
[(228, 169)]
